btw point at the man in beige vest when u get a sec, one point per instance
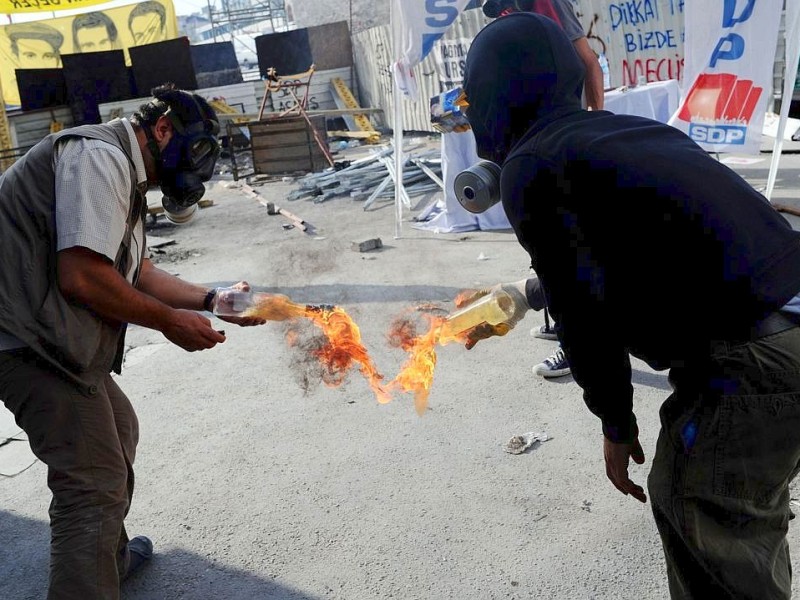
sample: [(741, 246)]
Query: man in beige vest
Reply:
[(75, 273)]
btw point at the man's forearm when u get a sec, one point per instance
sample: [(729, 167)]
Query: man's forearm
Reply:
[(170, 289), (87, 279), (593, 81), (594, 88)]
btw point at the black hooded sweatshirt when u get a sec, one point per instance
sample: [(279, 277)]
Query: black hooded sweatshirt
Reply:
[(645, 244)]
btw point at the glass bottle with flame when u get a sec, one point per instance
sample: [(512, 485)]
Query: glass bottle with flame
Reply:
[(231, 302)]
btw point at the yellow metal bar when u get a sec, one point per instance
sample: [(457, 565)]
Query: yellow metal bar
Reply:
[(347, 98)]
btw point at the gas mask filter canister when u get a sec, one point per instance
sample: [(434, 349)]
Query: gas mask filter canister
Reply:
[(478, 187)]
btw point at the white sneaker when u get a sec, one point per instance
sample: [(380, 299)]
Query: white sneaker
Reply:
[(553, 366), (544, 332)]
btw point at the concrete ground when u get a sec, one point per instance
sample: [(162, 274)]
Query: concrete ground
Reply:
[(256, 481)]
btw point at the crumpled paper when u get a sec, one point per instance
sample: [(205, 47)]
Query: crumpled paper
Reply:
[(520, 443)]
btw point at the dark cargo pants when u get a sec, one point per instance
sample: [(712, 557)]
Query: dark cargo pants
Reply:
[(87, 438), (729, 446)]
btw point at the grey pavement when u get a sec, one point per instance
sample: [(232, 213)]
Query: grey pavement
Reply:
[(256, 480)]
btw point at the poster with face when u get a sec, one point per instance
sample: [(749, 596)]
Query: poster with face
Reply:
[(41, 44)]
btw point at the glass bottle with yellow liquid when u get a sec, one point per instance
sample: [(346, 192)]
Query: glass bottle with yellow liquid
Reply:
[(495, 308)]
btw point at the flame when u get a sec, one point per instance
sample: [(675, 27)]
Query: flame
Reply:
[(276, 307), (343, 348), (416, 374)]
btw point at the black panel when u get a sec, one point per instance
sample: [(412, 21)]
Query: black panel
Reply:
[(93, 78), (288, 52), (215, 64), (163, 62), (132, 82), (41, 88), (218, 56)]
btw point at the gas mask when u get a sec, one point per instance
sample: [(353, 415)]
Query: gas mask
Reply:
[(478, 187), (188, 162)]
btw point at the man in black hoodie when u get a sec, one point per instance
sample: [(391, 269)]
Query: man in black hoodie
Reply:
[(634, 231)]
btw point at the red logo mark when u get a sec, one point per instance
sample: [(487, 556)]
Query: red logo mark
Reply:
[(720, 98)]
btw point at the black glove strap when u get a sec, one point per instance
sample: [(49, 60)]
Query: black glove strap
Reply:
[(209, 299)]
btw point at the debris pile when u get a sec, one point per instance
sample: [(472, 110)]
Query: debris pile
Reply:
[(372, 177)]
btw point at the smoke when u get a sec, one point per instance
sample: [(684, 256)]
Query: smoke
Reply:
[(306, 342)]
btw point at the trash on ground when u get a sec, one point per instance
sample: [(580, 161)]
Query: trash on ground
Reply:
[(158, 242), (520, 443)]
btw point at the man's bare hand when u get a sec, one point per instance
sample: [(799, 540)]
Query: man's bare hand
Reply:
[(485, 330), (617, 457), (192, 331), (243, 321)]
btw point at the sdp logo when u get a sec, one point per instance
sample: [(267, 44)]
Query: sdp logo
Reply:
[(719, 107)]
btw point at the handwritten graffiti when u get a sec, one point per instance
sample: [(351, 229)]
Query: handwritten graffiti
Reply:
[(285, 92), (650, 40), (652, 69), (289, 104), (640, 42), (633, 13), (675, 7), (20, 4), (597, 43), (380, 55)]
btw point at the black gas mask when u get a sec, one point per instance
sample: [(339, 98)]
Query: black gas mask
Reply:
[(186, 162)]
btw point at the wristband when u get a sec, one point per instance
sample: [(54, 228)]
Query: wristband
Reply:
[(209, 299)]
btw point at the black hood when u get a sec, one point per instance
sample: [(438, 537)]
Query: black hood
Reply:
[(521, 71)]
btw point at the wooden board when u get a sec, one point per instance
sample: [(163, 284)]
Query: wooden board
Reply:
[(287, 145)]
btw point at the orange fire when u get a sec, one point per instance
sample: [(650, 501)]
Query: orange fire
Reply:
[(343, 347), (416, 375)]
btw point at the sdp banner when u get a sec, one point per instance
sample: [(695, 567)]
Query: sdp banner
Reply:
[(416, 25), (729, 54), (40, 44)]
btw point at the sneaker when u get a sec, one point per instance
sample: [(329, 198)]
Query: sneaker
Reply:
[(544, 332), (140, 550), (553, 366)]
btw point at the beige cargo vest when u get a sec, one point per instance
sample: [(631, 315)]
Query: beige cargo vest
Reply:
[(70, 337)]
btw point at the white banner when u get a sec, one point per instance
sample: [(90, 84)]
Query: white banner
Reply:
[(729, 54), (419, 23)]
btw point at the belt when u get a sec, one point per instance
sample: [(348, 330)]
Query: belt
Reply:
[(774, 323)]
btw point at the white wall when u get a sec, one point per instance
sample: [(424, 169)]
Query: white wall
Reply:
[(359, 14)]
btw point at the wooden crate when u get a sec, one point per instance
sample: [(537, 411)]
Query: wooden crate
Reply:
[(287, 145)]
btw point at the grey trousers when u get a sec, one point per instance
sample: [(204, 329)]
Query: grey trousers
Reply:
[(729, 446), (87, 438)]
